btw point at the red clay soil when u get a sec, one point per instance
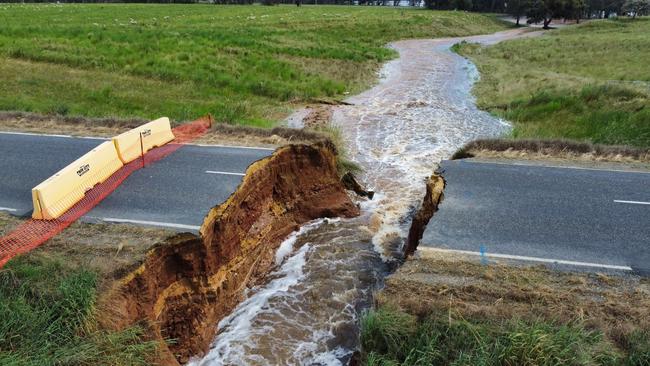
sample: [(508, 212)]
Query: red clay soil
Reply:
[(188, 283)]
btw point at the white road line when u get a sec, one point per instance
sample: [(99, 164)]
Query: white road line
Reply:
[(552, 166), (633, 202), (528, 259), (224, 173), (152, 223), (52, 135), (31, 134), (8, 209)]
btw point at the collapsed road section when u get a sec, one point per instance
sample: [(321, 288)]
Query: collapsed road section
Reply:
[(188, 283)]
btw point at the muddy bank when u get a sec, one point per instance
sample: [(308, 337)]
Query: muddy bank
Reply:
[(188, 283)]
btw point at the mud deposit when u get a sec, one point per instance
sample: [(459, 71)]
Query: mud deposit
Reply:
[(419, 113), (188, 283)]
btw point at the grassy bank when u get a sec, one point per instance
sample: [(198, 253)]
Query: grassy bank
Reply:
[(394, 337), (47, 309), (243, 64), (590, 82), (443, 309), (50, 298)]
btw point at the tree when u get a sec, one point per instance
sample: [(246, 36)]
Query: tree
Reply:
[(538, 12), (517, 8), (574, 9), (461, 5), (546, 10), (637, 7)]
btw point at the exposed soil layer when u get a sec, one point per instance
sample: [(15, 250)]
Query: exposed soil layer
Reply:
[(318, 116), (188, 283), (429, 206)]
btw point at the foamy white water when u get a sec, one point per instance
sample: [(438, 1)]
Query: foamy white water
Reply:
[(420, 113)]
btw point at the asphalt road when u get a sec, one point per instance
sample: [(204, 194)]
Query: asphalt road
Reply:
[(175, 192), (549, 214)]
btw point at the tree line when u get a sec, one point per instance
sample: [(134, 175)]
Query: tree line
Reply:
[(543, 11)]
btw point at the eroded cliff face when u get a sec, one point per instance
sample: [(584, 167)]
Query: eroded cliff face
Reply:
[(429, 206), (188, 283)]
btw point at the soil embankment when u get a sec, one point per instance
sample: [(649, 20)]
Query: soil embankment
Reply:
[(429, 206), (188, 283)]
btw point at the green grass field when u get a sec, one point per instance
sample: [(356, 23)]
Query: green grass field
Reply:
[(589, 83), (244, 64), (47, 308)]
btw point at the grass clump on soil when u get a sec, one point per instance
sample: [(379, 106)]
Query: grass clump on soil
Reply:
[(442, 309), (48, 311), (343, 162), (589, 83), (392, 337), (243, 64)]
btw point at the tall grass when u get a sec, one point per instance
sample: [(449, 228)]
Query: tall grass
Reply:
[(243, 64), (588, 83), (47, 311), (605, 114), (391, 337), (343, 162)]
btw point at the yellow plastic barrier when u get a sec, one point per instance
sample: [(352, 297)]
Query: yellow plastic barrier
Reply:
[(58, 193), (132, 144)]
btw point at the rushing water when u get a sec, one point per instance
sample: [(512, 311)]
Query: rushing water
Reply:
[(419, 113)]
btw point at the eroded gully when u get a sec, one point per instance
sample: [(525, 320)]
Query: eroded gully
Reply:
[(419, 113)]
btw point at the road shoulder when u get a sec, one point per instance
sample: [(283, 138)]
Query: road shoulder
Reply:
[(220, 134), (454, 291)]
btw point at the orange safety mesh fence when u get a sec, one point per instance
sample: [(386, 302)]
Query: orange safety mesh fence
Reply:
[(32, 233)]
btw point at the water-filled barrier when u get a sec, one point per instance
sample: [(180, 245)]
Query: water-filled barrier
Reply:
[(34, 232)]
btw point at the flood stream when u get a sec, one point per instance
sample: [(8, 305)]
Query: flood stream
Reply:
[(419, 113)]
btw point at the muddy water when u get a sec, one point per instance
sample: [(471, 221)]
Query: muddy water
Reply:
[(419, 113)]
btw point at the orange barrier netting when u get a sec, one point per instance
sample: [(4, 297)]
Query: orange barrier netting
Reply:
[(32, 233)]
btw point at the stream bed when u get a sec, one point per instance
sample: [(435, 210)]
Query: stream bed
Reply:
[(419, 113)]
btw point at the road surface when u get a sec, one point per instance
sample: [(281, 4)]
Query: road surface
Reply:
[(571, 216), (175, 192)]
